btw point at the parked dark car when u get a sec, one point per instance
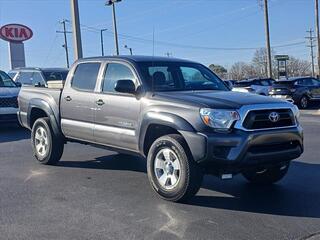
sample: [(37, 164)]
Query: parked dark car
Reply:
[(300, 90), (38, 76), (8, 99), (260, 86)]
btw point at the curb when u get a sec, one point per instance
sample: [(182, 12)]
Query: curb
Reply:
[(315, 112)]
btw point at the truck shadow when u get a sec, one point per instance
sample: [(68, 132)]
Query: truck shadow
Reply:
[(297, 195), (111, 162), (13, 132)]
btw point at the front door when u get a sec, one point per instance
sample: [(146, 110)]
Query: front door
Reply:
[(117, 114), (77, 102)]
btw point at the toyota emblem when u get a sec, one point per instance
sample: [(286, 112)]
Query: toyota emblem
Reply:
[(274, 117)]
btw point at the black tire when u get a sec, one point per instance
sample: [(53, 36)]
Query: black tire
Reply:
[(304, 102), (266, 176), (190, 173), (55, 144)]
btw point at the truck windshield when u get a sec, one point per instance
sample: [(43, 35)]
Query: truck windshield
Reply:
[(6, 81), (179, 76)]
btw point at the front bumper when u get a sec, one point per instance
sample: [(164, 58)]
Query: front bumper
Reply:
[(240, 149), (8, 114)]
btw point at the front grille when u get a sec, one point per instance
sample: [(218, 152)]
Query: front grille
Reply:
[(9, 102), (259, 119)]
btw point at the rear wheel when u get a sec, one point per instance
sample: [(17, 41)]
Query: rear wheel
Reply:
[(172, 172), (47, 147), (266, 175), (304, 102)]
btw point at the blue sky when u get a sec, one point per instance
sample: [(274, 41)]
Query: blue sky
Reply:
[(192, 29)]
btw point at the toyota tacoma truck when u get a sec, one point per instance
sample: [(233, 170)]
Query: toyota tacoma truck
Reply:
[(177, 114)]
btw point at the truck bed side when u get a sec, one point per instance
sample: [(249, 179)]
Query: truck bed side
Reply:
[(35, 101)]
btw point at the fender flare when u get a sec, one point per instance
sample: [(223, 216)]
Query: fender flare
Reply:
[(178, 123), (44, 106)]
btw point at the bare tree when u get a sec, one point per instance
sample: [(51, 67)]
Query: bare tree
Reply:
[(259, 62), (258, 68), (298, 67), (242, 70)]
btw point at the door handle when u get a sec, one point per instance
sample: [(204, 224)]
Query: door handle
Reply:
[(100, 102), (68, 98)]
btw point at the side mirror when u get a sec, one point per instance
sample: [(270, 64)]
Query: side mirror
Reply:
[(18, 84), (125, 86)]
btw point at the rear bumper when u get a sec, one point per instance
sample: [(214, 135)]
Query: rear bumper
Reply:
[(240, 149), (286, 97)]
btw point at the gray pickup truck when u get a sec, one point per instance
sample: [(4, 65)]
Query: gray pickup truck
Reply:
[(175, 113)]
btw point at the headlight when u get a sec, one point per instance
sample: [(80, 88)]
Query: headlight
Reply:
[(219, 119)]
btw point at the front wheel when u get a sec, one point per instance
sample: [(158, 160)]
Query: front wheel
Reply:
[(267, 175), (47, 147), (172, 172)]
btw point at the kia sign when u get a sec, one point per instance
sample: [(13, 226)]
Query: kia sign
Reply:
[(15, 33)]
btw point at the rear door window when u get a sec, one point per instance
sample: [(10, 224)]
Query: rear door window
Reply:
[(85, 76)]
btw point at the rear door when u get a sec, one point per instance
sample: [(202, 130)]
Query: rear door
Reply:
[(77, 102), (117, 114)]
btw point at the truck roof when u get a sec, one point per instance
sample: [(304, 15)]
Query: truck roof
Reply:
[(41, 69), (137, 58)]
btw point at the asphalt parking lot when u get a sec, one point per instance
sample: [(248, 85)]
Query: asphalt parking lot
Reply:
[(96, 194)]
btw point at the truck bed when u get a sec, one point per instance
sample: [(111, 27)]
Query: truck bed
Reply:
[(29, 95)]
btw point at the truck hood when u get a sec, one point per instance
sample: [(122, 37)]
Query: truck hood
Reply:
[(9, 91), (216, 99)]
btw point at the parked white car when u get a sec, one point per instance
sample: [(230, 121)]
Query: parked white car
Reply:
[(9, 92), (258, 86)]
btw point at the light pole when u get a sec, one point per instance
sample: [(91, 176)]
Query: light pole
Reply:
[(65, 45), (317, 33), (268, 48), (130, 49), (76, 29), (101, 39), (112, 3)]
